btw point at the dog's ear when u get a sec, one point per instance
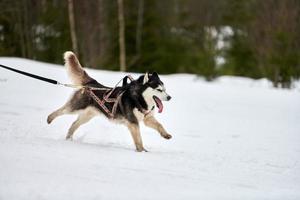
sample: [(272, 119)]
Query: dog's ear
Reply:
[(146, 78), (154, 74)]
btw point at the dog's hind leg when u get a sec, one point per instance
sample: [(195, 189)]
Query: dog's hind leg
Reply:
[(136, 136), (151, 122), (82, 118), (61, 111)]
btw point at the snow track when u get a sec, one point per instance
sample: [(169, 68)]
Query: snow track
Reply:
[(235, 138)]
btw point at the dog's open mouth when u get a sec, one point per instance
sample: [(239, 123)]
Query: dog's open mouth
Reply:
[(159, 104)]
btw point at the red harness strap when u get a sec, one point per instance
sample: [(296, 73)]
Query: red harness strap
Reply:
[(107, 99)]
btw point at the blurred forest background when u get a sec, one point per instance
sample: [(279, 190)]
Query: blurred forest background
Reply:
[(252, 38)]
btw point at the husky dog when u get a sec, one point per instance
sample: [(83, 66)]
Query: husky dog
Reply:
[(136, 104)]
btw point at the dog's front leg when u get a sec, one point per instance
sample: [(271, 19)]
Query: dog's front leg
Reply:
[(151, 122), (136, 136)]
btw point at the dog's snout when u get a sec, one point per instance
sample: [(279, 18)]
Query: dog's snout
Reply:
[(169, 98)]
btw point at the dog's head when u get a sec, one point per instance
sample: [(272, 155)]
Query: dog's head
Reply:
[(155, 90)]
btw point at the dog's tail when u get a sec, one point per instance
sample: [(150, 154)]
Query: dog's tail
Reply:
[(75, 71)]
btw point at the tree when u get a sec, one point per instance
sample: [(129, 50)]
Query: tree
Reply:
[(170, 36), (275, 38), (122, 36), (72, 26), (239, 55)]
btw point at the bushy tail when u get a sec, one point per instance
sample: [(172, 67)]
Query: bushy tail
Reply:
[(75, 71)]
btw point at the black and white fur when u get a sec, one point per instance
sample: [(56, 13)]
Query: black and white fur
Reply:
[(136, 104)]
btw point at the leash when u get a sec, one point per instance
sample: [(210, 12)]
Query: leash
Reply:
[(32, 75), (89, 89), (48, 80)]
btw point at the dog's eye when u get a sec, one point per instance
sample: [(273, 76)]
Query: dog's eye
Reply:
[(159, 90)]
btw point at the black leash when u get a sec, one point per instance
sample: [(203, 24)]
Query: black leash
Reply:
[(48, 80), (31, 75)]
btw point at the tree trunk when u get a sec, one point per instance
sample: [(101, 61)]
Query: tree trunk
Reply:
[(122, 36), (139, 28), (18, 17), (138, 34), (27, 30), (103, 32), (72, 26)]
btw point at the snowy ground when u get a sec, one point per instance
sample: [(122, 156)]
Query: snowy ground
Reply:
[(234, 138)]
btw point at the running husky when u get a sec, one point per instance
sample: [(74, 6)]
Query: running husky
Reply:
[(136, 103)]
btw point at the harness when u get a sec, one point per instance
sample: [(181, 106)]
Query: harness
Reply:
[(107, 99)]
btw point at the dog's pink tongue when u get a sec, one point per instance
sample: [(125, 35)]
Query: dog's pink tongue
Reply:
[(160, 105)]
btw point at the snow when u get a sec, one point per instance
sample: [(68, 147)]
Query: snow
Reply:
[(234, 138)]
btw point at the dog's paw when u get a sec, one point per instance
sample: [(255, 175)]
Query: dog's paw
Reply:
[(141, 150), (167, 136), (69, 138), (49, 119)]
